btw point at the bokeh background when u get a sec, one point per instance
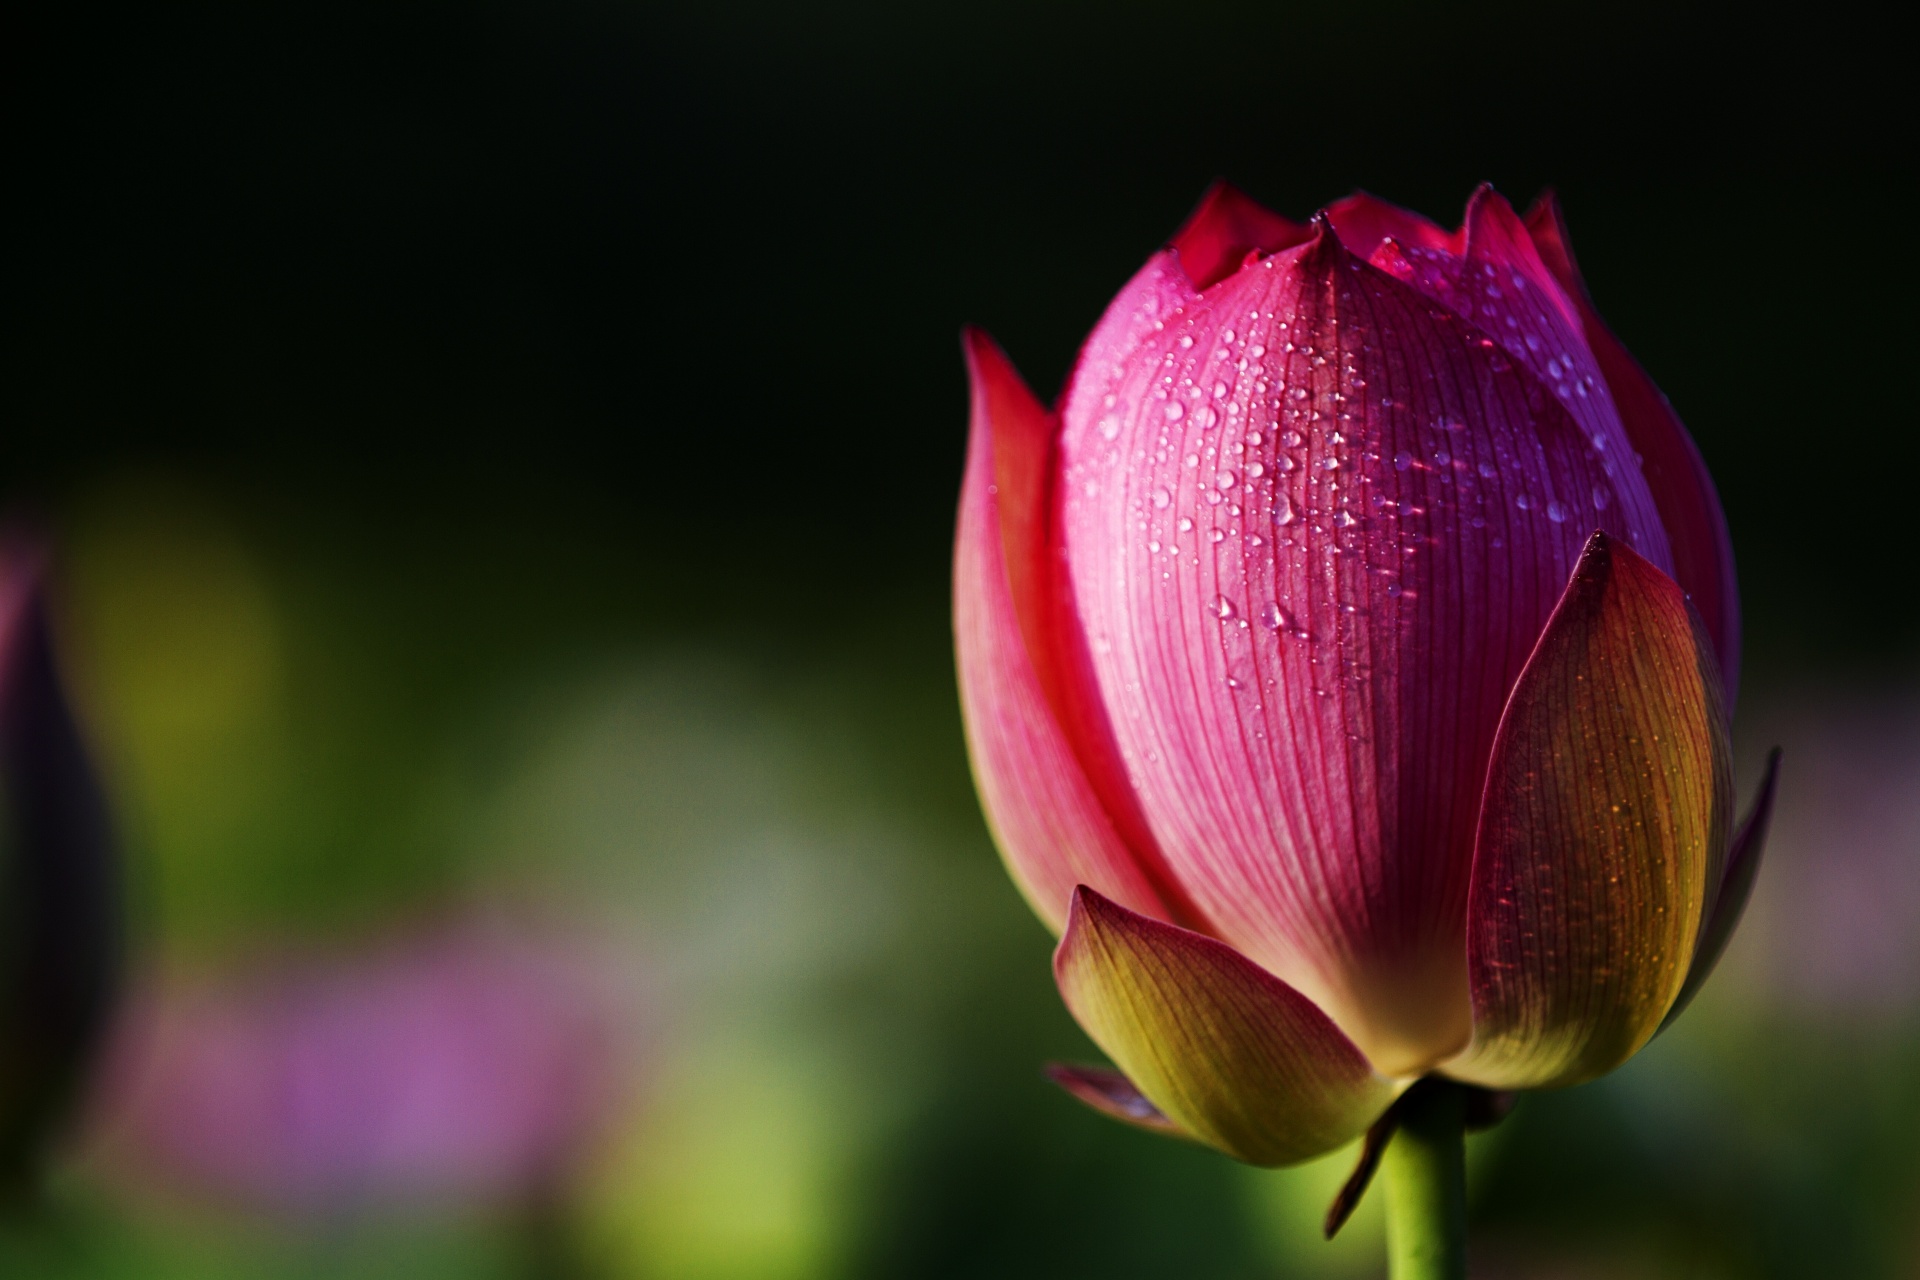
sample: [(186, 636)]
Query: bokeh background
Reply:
[(502, 457)]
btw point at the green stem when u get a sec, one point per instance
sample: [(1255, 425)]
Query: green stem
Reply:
[(1425, 1170)]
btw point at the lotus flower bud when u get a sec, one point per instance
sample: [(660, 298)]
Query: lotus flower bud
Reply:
[(1346, 663), (59, 892)]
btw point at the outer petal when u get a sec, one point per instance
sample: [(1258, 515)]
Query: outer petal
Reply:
[(1112, 1094), (1313, 526), (1227, 226), (1736, 885), (1049, 825), (1602, 831), (1226, 1051), (1677, 475)]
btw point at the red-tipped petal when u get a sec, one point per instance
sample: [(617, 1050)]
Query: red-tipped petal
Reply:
[(1227, 226), (1045, 817), (1736, 886), (1602, 832), (1365, 221), (1676, 474), (1310, 562), (1226, 1051), (1112, 1094), (1491, 276)]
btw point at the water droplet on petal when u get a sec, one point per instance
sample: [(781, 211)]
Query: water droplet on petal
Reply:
[(1557, 512), (1282, 509), (1273, 617), (1175, 411), (1223, 609), (1402, 460), (1162, 499)]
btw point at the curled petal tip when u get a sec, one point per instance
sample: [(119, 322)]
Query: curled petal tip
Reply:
[(1365, 221), (1546, 224), (1228, 225), (976, 342)]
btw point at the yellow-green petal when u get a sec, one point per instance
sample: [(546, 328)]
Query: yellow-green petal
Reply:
[(1228, 1053), (1602, 831), (1736, 886)]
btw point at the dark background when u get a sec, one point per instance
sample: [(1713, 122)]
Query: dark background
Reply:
[(696, 271), (505, 333)]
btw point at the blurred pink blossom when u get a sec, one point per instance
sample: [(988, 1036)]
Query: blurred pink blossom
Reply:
[(456, 1067), (1837, 924)]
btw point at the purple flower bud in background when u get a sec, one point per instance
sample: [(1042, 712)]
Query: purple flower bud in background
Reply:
[(59, 883), (458, 1067)]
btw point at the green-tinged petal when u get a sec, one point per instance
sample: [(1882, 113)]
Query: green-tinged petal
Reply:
[(1112, 1094), (1736, 885), (1601, 831), (1226, 1051)]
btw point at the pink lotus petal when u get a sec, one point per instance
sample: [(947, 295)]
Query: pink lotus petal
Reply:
[(1675, 472), (1226, 227), (1491, 275), (1365, 221), (1046, 818), (1313, 524)]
